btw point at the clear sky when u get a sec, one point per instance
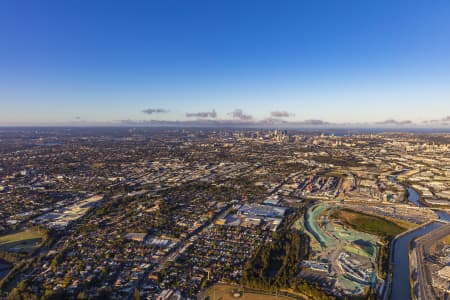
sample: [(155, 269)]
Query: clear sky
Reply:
[(340, 61)]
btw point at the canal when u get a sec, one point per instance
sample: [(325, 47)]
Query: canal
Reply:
[(400, 286), (414, 197)]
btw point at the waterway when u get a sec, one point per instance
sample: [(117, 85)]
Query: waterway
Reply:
[(414, 197), (400, 277), (401, 288)]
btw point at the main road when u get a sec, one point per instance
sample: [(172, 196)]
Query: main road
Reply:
[(422, 246)]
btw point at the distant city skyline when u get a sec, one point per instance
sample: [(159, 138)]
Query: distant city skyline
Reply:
[(221, 63)]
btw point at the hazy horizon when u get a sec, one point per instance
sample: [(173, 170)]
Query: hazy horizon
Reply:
[(258, 63)]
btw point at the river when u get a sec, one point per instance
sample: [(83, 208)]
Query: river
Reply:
[(414, 197), (401, 288)]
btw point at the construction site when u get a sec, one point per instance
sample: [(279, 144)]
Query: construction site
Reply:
[(344, 257)]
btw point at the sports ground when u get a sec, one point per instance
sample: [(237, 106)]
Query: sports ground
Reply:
[(20, 241)]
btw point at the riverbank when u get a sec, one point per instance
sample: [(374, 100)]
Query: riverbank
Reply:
[(415, 198), (397, 284)]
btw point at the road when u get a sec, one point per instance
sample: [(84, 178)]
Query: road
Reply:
[(239, 171), (397, 279), (422, 246), (175, 252)]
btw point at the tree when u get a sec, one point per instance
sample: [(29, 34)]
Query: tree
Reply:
[(22, 292)]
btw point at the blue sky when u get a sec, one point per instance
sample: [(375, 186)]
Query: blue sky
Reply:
[(340, 61)]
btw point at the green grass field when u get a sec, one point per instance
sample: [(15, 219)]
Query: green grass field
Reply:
[(367, 223), (20, 241), (358, 251), (225, 292), (446, 240)]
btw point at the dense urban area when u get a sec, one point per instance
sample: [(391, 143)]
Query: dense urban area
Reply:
[(166, 213)]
